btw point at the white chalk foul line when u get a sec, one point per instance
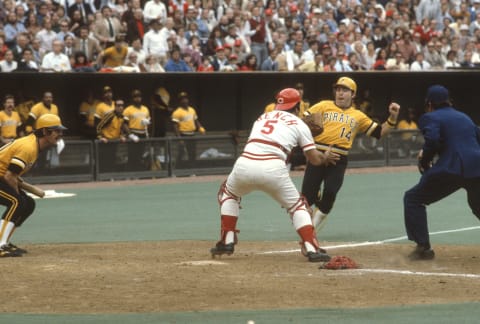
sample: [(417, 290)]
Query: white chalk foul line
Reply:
[(368, 243), (420, 273)]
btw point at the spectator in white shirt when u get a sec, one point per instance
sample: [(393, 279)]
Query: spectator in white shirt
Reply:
[(56, 61), (452, 60), (137, 48), (419, 64), (341, 64), (155, 9), (309, 54), (8, 64), (154, 42)]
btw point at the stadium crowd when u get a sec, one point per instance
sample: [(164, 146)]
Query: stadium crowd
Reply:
[(238, 35)]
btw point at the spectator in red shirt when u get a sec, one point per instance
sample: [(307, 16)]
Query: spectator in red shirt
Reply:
[(250, 63)]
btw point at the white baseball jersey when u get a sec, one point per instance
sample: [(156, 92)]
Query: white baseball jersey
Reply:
[(262, 164), (275, 134)]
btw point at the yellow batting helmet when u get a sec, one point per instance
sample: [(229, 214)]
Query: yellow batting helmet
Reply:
[(346, 83), (50, 121)]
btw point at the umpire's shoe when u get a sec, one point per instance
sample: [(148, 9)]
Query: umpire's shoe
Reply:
[(5, 252), (422, 252), (222, 248), (318, 256)]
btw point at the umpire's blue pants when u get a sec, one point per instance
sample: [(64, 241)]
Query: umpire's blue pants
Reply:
[(432, 188)]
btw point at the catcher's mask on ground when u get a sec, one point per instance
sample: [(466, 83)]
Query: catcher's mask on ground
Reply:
[(346, 83), (287, 99)]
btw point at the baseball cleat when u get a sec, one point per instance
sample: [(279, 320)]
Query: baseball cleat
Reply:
[(221, 248), (318, 257), (13, 248), (5, 253), (422, 253)]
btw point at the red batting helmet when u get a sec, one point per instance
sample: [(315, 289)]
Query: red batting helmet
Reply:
[(287, 99)]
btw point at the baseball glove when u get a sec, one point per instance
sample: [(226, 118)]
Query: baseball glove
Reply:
[(315, 123), (339, 263)]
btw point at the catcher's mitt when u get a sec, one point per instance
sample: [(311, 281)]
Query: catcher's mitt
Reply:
[(339, 263), (315, 123)]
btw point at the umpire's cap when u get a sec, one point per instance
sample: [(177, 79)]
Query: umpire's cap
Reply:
[(346, 83), (50, 121), (287, 99), (437, 94)]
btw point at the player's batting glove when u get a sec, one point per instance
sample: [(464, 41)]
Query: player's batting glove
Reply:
[(133, 137), (145, 122)]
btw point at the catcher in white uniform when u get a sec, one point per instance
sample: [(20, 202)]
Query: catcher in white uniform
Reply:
[(262, 166)]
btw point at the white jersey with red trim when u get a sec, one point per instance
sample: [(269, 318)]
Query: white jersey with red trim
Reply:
[(275, 134)]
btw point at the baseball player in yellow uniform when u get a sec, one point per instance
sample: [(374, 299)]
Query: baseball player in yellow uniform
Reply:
[(87, 111), (138, 118), (111, 127), (23, 108), (16, 158), (185, 124), (137, 115), (341, 123), (105, 106), (46, 106), (9, 121)]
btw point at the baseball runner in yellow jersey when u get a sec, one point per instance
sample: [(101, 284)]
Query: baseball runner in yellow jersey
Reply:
[(341, 123), (10, 121), (46, 106), (16, 158), (138, 118)]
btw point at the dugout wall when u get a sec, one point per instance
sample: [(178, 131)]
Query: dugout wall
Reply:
[(228, 101)]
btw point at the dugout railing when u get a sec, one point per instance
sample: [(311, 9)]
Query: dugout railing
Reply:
[(83, 160)]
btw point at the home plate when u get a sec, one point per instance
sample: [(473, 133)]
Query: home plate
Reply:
[(202, 263), (53, 194)]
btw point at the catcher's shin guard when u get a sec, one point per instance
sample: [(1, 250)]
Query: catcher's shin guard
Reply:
[(228, 236), (228, 233), (309, 242), (309, 245)]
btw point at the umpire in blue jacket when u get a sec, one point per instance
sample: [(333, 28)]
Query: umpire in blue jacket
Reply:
[(454, 137)]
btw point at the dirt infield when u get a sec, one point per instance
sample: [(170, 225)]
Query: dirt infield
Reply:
[(176, 276), (181, 276)]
